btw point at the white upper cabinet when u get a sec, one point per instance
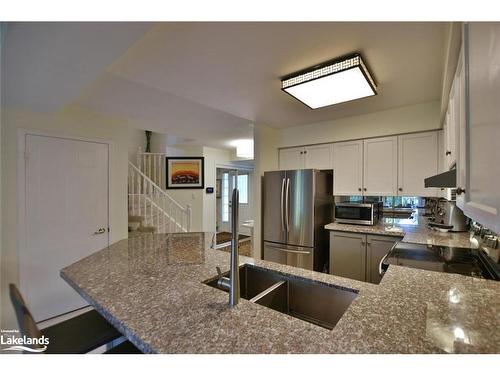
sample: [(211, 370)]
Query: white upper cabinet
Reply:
[(384, 166), (318, 157), (380, 166), (478, 189), (291, 158), (418, 160), (348, 168)]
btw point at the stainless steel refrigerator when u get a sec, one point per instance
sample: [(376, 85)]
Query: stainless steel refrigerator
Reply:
[(297, 205)]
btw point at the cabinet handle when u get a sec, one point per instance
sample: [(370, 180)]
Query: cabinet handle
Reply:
[(364, 189), (400, 189), (460, 190), (359, 189), (305, 152), (448, 153)]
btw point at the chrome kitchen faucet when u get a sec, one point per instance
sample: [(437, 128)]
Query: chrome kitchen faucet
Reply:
[(232, 284)]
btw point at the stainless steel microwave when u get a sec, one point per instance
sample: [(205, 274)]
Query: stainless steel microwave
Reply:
[(358, 213)]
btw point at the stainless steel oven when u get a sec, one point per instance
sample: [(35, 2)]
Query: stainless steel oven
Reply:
[(358, 213)]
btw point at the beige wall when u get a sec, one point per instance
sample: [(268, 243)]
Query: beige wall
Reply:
[(72, 122), (424, 116), (213, 157), (136, 139), (266, 141), (2, 34)]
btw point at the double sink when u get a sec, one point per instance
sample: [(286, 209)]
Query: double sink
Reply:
[(305, 299)]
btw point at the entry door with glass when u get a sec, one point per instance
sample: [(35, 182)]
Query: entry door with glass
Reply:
[(229, 181)]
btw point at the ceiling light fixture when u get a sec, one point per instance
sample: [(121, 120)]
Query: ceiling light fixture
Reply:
[(244, 148), (340, 80)]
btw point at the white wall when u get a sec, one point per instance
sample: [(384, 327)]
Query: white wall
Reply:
[(419, 117), (72, 121)]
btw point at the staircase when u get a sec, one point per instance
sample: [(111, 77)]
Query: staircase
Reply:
[(151, 209)]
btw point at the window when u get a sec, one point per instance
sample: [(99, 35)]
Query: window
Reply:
[(225, 197), (227, 192), (405, 202), (243, 187)]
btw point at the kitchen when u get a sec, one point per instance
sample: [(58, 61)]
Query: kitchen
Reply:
[(374, 230)]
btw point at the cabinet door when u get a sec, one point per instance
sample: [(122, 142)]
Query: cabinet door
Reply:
[(348, 168), (380, 167), (418, 159), (461, 130), (318, 157), (348, 255), (291, 158), (376, 248), (482, 160), (451, 120)]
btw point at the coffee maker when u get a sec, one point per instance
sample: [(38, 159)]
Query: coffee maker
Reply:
[(449, 217)]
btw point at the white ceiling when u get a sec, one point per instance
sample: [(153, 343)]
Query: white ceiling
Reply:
[(209, 81)]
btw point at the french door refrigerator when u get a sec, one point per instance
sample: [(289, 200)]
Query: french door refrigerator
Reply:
[(297, 205)]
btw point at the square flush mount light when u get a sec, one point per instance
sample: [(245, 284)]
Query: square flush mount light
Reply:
[(336, 81)]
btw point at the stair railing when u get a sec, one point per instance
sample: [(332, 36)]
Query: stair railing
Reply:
[(149, 200)]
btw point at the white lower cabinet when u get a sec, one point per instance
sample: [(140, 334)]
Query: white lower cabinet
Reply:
[(357, 255)]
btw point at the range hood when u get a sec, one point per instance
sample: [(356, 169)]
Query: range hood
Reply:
[(443, 180)]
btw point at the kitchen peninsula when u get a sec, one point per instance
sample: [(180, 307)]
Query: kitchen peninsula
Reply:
[(151, 288)]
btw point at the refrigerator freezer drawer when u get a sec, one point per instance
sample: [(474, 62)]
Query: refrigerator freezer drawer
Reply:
[(302, 257)]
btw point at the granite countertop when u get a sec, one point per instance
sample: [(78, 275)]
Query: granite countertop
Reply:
[(151, 289), (411, 230)]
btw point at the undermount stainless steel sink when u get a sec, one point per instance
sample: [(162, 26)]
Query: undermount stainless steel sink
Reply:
[(305, 299)]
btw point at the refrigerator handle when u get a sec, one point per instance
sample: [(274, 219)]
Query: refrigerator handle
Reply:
[(287, 196), (281, 204)]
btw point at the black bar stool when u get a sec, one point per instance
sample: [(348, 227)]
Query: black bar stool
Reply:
[(80, 334)]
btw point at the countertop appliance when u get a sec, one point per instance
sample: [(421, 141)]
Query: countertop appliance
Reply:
[(358, 213), (464, 261), (297, 206), (449, 217)]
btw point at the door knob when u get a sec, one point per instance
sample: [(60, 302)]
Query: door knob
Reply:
[(460, 190), (100, 231)]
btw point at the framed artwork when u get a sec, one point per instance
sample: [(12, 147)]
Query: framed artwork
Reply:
[(218, 188), (185, 172)]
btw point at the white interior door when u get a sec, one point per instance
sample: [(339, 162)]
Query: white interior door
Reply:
[(66, 204)]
